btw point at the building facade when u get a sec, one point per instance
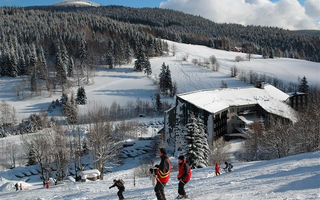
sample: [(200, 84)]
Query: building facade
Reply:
[(225, 112)]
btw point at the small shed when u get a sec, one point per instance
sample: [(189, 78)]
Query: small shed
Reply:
[(91, 175)]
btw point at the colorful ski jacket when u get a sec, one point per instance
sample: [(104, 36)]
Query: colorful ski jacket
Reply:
[(164, 169), (184, 172)]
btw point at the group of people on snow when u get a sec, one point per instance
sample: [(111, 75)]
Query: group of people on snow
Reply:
[(227, 168), (161, 173)]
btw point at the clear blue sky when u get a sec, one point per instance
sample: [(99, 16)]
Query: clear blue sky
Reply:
[(130, 3)]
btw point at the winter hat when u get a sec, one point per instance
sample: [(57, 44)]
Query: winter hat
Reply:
[(181, 157), (163, 151)]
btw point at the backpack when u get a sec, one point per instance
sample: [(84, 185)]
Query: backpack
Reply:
[(122, 181)]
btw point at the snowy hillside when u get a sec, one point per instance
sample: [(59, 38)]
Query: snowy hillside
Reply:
[(295, 177), (285, 69), (76, 3), (123, 85)]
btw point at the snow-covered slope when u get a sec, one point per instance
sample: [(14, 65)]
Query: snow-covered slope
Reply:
[(122, 84), (285, 69), (76, 3), (295, 177)]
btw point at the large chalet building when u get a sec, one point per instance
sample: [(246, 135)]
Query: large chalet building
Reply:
[(226, 112)]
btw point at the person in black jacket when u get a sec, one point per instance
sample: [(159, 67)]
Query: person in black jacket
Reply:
[(163, 174), (228, 167), (120, 186)]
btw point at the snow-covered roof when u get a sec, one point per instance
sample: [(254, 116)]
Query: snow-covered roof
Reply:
[(76, 3), (270, 99)]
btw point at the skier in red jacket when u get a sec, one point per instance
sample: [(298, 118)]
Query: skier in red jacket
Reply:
[(184, 176), (217, 168)]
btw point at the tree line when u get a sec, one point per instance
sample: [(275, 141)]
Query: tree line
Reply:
[(186, 28)]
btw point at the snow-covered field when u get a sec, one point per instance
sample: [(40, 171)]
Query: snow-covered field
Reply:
[(285, 69), (295, 177)]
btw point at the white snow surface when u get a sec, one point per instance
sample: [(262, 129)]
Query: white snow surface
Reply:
[(292, 178), (270, 99)]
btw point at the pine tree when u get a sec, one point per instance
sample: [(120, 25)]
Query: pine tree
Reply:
[(42, 65), (81, 96), (168, 79), (165, 81), (70, 67), (147, 67), (109, 60), (61, 69), (71, 110), (63, 101), (303, 86), (197, 143), (31, 157), (12, 65), (139, 63), (127, 53), (162, 79), (158, 103), (83, 51)]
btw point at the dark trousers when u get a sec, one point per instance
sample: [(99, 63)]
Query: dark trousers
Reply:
[(120, 195), (181, 190), (159, 190)]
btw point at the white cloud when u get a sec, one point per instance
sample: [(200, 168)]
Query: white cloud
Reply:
[(313, 8), (289, 14)]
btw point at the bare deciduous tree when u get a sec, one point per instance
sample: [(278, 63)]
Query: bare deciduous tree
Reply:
[(61, 152), (252, 143), (104, 144), (40, 145), (218, 153)]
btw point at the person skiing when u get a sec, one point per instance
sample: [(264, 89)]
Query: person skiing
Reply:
[(16, 186), (217, 169), (228, 167), (120, 185), (163, 174), (184, 176)]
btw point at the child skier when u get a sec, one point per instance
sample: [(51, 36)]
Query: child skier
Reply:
[(184, 176), (217, 169), (120, 185), (228, 167)]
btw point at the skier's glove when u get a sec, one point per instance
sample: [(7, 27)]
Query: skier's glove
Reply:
[(109, 187), (151, 170), (156, 166)]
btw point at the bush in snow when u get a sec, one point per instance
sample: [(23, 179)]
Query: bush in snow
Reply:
[(81, 96)]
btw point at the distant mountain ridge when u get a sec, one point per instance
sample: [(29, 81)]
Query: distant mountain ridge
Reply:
[(180, 27), (76, 3), (309, 32)]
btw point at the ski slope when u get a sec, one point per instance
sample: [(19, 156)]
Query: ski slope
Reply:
[(296, 177)]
